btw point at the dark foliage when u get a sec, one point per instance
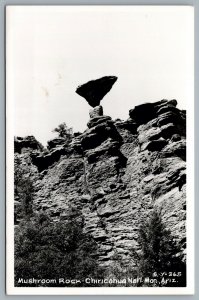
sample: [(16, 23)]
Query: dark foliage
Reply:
[(49, 250), (159, 256), (64, 131)]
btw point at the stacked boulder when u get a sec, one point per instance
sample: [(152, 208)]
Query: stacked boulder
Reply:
[(159, 124)]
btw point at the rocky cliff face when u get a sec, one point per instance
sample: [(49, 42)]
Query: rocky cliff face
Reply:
[(115, 173)]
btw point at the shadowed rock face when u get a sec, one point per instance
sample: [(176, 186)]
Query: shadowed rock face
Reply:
[(26, 142), (114, 174), (95, 90)]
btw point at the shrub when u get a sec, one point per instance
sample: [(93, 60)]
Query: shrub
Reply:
[(49, 250), (64, 131), (159, 256)]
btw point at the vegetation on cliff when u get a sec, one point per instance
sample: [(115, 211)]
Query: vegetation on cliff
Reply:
[(112, 174), (158, 257), (64, 131), (49, 250)]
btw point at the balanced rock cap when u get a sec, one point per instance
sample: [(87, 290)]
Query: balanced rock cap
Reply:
[(95, 90)]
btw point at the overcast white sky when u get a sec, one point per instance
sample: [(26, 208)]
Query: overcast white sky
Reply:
[(53, 49)]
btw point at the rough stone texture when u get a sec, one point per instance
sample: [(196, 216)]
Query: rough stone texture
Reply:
[(96, 112), (115, 173), (97, 120), (95, 90), (20, 144), (55, 142)]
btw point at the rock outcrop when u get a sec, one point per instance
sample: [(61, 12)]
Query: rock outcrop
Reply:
[(115, 173), (95, 90), (52, 144), (29, 142)]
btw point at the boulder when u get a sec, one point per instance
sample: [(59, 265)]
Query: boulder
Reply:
[(143, 113), (93, 139), (146, 112), (94, 136), (97, 120), (169, 117), (26, 142), (95, 90), (129, 125), (55, 142)]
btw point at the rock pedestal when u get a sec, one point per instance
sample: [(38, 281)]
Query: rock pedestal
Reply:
[(96, 112)]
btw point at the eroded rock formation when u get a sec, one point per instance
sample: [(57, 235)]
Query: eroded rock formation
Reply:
[(95, 90), (116, 172), (28, 142)]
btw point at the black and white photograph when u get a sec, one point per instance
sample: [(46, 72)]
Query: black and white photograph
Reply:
[(99, 145)]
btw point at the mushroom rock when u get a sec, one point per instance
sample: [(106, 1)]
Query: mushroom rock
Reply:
[(95, 90)]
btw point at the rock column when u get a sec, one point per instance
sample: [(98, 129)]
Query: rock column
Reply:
[(97, 111)]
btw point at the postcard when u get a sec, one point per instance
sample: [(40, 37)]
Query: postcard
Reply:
[(100, 150)]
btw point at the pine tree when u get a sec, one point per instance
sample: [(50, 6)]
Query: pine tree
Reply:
[(64, 131), (159, 255)]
